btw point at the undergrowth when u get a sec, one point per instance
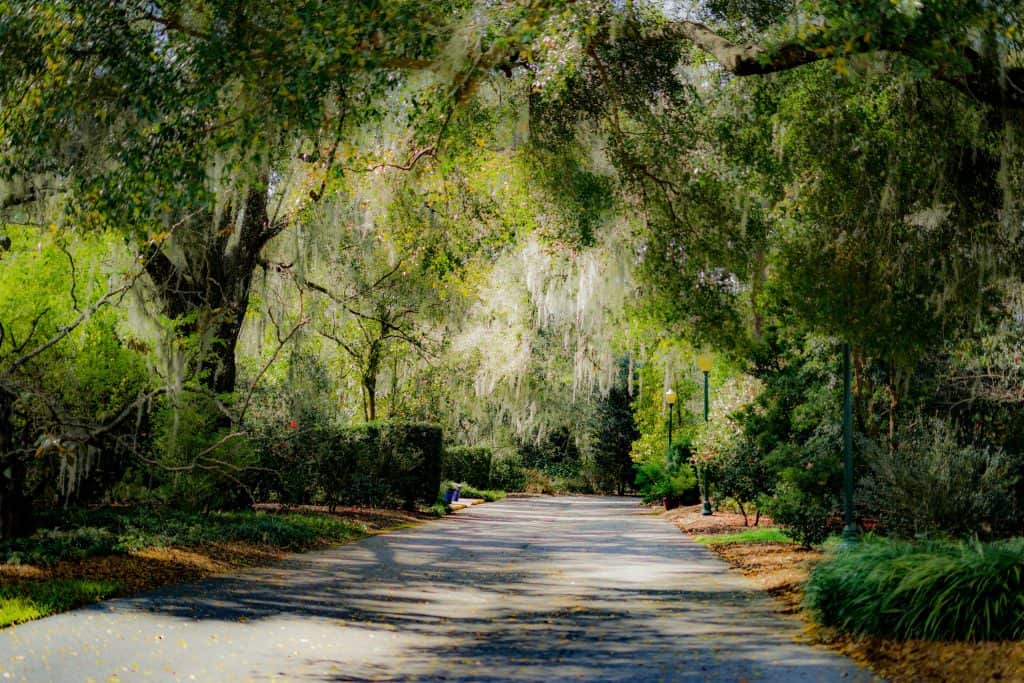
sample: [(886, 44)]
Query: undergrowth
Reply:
[(29, 600), (78, 534), (933, 591)]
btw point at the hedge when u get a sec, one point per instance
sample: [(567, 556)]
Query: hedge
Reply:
[(377, 464), (468, 464)]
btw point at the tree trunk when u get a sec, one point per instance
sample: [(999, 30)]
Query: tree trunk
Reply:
[(214, 286), (15, 506)]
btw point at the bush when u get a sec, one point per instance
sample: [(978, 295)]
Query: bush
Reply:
[(376, 464), (199, 459), (933, 590), (470, 464), (932, 483), (507, 473), (655, 481), (805, 517), (385, 463)]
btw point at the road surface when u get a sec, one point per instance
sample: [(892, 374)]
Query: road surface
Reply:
[(537, 589)]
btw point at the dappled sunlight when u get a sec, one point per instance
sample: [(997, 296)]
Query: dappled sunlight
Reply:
[(570, 588)]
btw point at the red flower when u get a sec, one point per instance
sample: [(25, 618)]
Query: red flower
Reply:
[(293, 424)]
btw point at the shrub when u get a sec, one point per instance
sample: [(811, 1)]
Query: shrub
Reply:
[(933, 590), (384, 463), (507, 473), (199, 460), (376, 464), (805, 517), (470, 464), (655, 481), (932, 483)]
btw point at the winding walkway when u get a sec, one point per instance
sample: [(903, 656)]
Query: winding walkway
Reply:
[(539, 589)]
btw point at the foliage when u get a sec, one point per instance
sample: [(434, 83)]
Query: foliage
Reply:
[(49, 546), (484, 494), (805, 517), (29, 600), (470, 464), (508, 473), (83, 533), (933, 483), (613, 431), (199, 460), (375, 463), (934, 590), (656, 481)]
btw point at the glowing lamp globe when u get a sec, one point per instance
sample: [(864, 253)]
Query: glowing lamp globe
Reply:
[(705, 361), (670, 397)]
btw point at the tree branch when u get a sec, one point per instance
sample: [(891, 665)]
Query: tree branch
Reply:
[(986, 81)]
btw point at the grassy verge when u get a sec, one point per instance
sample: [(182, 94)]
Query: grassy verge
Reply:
[(27, 600), (85, 556), (485, 494), (756, 535)]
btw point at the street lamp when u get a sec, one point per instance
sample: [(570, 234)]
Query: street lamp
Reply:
[(850, 534), (705, 361), (670, 400)]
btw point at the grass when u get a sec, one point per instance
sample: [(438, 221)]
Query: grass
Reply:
[(938, 590), (755, 535), (108, 531), (486, 494), (29, 600)]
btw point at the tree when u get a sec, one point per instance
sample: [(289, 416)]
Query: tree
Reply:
[(614, 431), (201, 129)]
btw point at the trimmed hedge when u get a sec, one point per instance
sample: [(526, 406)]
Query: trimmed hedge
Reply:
[(468, 464), (934, 591), (377, 464)]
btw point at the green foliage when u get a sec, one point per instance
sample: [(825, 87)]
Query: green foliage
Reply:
[(932, 483), (508, 473), (376, 463), (805, 517), (656, 481), (49, 546), (199, 459), (83, 533), (470, 464), (489, 495), (613, 431), (759, 535), (29, 600), (934, 590)]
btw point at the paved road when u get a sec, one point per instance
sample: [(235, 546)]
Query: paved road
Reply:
[(552, 589)]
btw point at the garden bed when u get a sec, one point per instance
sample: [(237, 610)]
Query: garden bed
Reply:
[(782, 569)]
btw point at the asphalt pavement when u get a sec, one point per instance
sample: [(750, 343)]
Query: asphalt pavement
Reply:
[(527, 589)]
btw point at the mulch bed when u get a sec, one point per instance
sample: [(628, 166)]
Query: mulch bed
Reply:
[(782, 569)]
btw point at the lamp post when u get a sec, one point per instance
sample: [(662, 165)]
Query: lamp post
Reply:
[(704, 362), (670, 401), (850, 534)]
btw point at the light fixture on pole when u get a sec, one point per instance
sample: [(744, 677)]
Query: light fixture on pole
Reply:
[(670, 401), (705, 362)]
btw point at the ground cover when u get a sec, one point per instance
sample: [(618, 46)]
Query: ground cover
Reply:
[(783, 568), (100, 554)]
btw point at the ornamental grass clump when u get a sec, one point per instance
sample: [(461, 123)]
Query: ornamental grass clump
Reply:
[(934, 591)]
